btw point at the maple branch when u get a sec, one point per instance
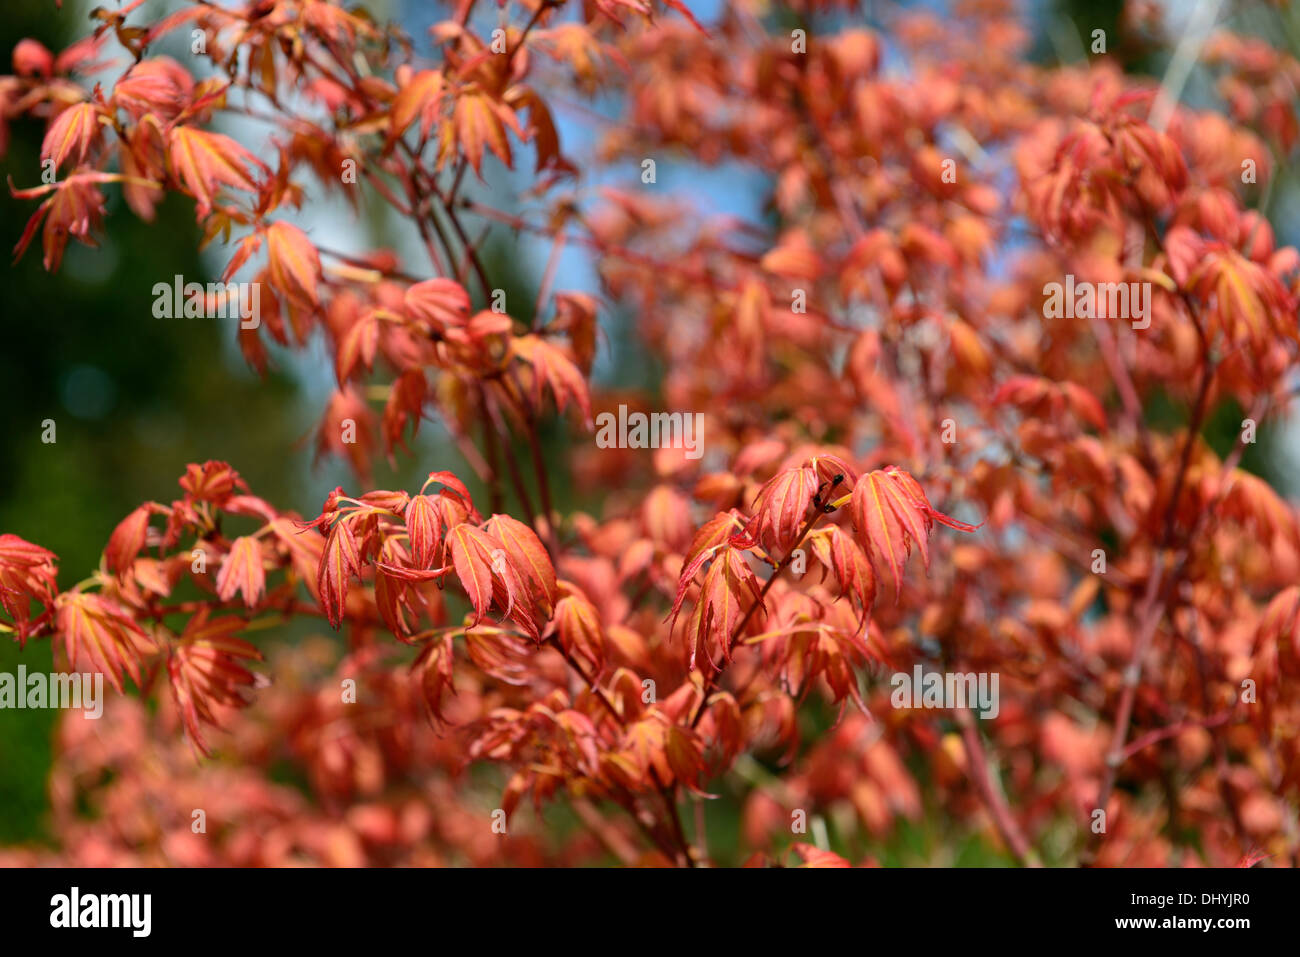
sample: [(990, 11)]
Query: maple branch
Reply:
[(543, 483), (485, 469), (1132, 675), (542, 7), (525, 413), (548, 279), (981, 773), (654, 830), (701, 834), (490, 444), (611, 837), (1127, 392), (1157, 735), (456, 180), (572, 662), (1152, 611), (1193, 431), (669, 799), (386, 192), (711, 680), (468, 248), (1228, 466), (1220, 752), (512, 463), (420, 206), (463, 11)]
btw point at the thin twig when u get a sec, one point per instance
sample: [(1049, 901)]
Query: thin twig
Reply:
[(985, 782), (734, 639)]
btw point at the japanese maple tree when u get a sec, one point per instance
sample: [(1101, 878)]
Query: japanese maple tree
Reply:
[(878, 373)]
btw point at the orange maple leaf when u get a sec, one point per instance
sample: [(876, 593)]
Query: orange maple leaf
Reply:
[(292, 262), (891, 514), (243, 571), (71, 135), (205, 672), (203, 162), (105, 631)]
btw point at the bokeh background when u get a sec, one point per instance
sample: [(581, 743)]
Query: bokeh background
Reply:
[(135, 398)]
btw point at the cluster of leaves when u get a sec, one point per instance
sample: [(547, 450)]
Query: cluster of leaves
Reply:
[(620, 661)]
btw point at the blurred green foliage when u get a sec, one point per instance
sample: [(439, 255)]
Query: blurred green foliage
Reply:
[(133, 399)]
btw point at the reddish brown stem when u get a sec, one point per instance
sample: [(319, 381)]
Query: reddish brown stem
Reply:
[(734, 639), (982, 775)]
